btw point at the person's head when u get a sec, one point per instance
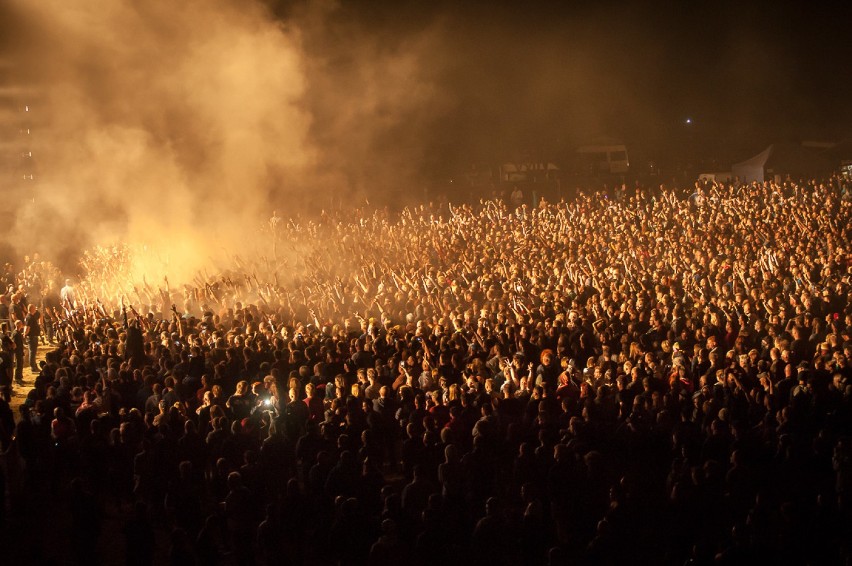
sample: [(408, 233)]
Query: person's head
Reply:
[(492, 507), (235, 480)]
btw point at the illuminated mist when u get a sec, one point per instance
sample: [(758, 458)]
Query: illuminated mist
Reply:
[(164, 124), (180, 126)]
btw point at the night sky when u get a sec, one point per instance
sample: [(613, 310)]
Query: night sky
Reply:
[(518, 78), (543, 76)]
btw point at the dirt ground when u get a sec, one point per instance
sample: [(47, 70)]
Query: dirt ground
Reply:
[(19, 393)]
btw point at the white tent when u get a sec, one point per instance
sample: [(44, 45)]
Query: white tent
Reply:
[(782, 159), (752, 169)]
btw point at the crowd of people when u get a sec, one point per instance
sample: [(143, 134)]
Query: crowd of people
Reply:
[(634, 376)]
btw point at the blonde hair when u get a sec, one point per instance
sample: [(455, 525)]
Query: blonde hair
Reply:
[(453, 392)]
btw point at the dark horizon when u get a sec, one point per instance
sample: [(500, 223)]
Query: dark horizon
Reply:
[(550, 76), (421, 89)]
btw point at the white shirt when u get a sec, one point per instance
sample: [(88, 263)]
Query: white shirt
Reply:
[(67, 295)]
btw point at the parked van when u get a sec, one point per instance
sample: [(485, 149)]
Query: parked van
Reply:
[(610, 158)]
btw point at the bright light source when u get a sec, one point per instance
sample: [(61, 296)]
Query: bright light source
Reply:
[(688, 121)]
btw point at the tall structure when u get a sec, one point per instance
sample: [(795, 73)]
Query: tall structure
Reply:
[(18, 171)]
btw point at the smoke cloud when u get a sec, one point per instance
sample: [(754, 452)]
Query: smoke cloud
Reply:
[(180, 127), (163, 124)]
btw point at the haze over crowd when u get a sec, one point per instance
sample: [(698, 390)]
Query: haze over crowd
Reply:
[(180, 127)]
